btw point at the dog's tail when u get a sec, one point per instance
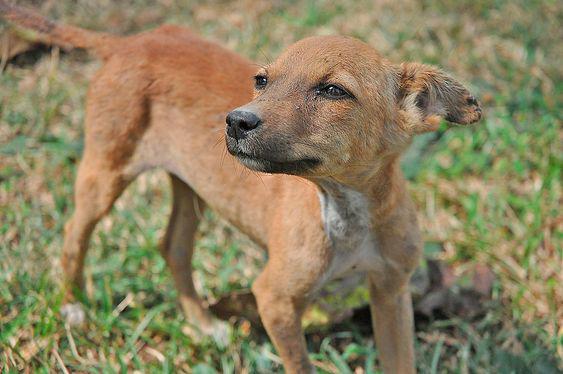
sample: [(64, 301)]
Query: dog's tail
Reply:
[(49, 32)]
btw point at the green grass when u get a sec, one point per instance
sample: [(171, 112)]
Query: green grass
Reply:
[(489, 194)]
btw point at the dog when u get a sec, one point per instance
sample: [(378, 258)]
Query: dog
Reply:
[(323, 127)]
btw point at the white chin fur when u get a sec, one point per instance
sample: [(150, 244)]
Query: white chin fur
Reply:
[(252, 163)]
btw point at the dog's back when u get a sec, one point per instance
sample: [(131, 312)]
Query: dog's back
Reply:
[(160, 100)]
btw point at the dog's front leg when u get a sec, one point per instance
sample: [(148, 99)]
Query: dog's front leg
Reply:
[(281, 316), (392, 317), (390, 300)]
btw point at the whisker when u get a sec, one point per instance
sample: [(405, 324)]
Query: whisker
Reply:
[(258, 65), (223, 157), (259, 175), (217, 142), (268, 60)]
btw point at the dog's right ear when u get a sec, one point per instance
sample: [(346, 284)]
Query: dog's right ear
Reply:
[(427, 95)]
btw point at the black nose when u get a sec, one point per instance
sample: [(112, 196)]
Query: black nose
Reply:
[(239, 123)]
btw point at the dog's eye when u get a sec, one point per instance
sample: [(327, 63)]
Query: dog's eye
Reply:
[(260, 82), (332, 91)]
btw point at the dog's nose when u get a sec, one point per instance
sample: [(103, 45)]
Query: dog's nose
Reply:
[(241, 122)]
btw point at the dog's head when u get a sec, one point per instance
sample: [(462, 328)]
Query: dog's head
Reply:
[(330, 104)]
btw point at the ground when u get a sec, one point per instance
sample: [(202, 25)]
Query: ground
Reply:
[(488, 195)]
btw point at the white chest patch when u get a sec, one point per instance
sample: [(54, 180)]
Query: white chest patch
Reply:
[(347, 224)]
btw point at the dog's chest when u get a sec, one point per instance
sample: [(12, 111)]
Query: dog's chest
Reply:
[(347, 224)]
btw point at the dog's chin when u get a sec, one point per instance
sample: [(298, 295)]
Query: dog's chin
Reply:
[(271, 164), (294, 167)]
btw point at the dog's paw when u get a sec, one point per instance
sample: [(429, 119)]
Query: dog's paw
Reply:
[(219, 331), (73, 314)]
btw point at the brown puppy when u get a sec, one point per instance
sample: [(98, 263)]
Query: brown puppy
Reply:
[(330, 111)]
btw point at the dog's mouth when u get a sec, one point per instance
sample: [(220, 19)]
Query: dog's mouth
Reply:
[(269, 166), (276, 161), (265, 165)]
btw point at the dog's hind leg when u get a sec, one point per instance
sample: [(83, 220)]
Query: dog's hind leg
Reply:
[(97, 187), (177, 249), (117, 117)]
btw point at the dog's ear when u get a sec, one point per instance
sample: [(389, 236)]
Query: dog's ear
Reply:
[(427, 95)]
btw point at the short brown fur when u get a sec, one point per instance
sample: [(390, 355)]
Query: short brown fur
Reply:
[(160, 101)]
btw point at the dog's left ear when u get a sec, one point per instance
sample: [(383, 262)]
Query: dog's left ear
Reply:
[(427, 95)]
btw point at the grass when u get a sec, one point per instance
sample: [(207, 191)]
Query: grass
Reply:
[(489, 194)]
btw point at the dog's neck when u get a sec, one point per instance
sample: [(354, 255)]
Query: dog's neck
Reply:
[(345, 211), (379, 187)]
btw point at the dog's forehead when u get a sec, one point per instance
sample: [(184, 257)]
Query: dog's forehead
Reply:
[(318, 56)]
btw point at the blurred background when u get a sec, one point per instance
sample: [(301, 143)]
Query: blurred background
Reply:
[(489, 295)]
